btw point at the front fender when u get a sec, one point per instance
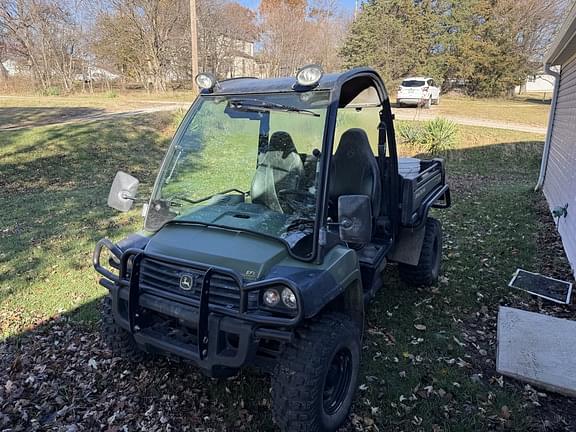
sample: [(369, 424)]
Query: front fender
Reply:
[(319, 285)]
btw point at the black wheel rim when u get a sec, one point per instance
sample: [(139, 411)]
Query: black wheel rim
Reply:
[(337, 381)]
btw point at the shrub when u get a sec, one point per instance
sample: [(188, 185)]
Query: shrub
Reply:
[(410, 133), (433, 136), (178, 117), (111, 94), (51, 91), (439, 135)]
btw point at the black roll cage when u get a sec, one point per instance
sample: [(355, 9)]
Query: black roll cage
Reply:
[(386, 139)]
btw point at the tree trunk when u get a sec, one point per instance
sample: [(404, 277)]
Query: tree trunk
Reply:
[(3, 73), (3, 76)]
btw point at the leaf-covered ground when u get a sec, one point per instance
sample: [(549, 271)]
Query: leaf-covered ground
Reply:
[(429, 354)]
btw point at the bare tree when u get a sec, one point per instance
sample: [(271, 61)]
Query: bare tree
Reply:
[(294, 34), (328, 26), (148, 41), (223, 29), (142, 36), (3, 51), (532, 22), (45, 36), (284, 37)]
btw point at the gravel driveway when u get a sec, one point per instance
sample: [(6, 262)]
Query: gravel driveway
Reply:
[(401, 114), (421, 114)]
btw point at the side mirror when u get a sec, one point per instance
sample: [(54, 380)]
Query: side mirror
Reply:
[(123, 191), (355, 218)]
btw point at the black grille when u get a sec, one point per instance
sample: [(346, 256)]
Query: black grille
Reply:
[(224, 290)]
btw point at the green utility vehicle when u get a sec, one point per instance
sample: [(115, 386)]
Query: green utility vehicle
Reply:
[(275, 211)]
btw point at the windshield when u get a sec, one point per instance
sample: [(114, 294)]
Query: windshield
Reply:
[(247, 163), (413, 83)]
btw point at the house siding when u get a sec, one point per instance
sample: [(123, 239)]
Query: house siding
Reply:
[(560, 180)]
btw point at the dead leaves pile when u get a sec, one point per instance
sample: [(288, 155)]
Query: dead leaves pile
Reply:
[(62, 377)]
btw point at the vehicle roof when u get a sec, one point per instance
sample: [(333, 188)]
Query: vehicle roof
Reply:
[(416, 78), (284, 84)]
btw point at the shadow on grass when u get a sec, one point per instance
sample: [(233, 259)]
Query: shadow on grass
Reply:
[(513, 159), (538, 101), (28, 117), (55, 182)]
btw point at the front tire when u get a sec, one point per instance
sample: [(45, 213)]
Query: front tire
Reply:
[(118, 340), (426, 272), (314, 382)]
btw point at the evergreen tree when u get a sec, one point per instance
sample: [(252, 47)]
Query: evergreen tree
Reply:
[(385, 32), (489, 45)]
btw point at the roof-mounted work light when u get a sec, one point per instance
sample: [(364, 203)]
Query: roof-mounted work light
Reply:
[(309, 75), (205, 81)]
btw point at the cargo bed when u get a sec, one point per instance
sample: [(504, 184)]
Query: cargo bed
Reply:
[(421, 189)]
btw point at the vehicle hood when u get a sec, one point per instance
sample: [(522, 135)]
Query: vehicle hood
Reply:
[(250, 255), (256, 257)]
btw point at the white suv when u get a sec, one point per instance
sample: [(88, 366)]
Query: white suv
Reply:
[(419, 91)]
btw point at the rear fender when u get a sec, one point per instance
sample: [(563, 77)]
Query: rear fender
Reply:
[(408, 245)]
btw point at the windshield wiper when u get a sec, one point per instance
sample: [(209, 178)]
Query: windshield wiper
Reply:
[(206, 198), (259, 105)]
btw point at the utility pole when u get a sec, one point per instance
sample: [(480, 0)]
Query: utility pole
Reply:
[(194, 39)]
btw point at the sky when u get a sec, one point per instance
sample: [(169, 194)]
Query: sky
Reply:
[(347, 5)]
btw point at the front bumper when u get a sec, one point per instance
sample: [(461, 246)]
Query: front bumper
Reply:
[(409, 100), (218, 353), (212, 336)]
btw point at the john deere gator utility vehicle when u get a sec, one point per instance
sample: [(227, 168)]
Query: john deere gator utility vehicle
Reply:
[(277, 207)]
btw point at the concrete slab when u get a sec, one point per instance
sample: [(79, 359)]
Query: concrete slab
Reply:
[(538, 349)]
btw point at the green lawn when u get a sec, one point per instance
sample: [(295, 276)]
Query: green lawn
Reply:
[(111, 100), (27, 111), (438, 376), (55, 181), (527, 111)]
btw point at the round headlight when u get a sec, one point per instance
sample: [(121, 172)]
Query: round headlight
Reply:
[(271, 297), (205, 80), (309, 75), (289, 298)]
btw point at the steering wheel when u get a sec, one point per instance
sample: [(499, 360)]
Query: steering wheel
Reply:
[(302, 198)]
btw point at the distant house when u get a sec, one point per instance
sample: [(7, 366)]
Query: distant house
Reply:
[(95, 73), (15, 68), (10, 67), (242, 62), (558, 169), (538, 83)]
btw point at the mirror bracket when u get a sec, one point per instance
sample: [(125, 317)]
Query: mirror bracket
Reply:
[(124, 195)]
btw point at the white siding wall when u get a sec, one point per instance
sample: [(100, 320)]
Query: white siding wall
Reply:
[(536, 84), (560, 181)]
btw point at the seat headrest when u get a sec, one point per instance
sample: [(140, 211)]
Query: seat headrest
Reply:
[(354, 170), (282, 142), (353, 144)]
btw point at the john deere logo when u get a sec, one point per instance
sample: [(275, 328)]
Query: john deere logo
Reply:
[(188, 281)]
